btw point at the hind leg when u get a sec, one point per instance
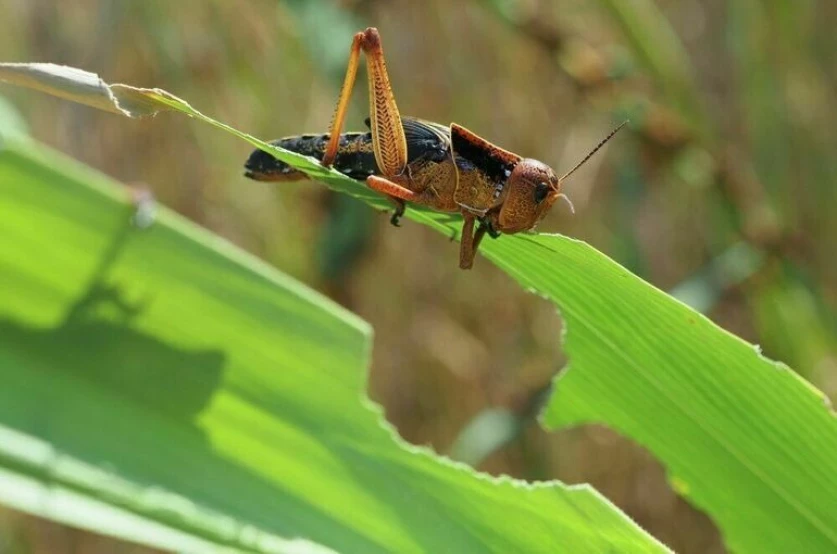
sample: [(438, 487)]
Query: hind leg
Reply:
[(388, 140), (399, 193)]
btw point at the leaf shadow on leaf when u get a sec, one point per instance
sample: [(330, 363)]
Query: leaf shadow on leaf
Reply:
[(169, 386), (135, 365)]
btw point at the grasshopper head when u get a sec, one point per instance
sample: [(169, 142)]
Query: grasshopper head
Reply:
[(532, 190)]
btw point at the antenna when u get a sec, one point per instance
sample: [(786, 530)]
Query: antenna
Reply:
[(596, 149)]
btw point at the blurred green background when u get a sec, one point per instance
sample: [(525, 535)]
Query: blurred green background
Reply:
[(722, 192)]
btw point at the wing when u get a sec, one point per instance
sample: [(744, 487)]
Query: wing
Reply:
[(426, 140)]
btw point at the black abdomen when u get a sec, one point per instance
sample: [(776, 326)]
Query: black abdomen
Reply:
[(426, 142), (355, 157)]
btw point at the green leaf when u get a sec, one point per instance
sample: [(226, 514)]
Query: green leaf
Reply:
[(162, 386), (743, 438)]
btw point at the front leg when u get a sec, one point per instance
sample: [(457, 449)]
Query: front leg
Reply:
[(478, 236), (488, 226)]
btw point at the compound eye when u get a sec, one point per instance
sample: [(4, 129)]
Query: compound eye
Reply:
[(541, 192)]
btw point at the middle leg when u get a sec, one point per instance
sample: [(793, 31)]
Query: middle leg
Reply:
[(467, 251), (400, 208)]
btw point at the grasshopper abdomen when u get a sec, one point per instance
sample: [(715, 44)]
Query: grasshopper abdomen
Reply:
[(355, 157)]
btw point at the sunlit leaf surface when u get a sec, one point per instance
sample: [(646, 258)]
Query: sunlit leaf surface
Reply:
[(162, 386)]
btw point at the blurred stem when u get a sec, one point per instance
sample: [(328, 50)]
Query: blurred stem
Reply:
[(655, 41), (497, 427), (705, 288)]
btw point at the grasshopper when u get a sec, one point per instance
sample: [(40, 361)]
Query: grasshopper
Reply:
[(447, 168)]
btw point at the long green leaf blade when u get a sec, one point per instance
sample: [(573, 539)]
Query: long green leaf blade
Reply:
[(165, 373), (746, 439)]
